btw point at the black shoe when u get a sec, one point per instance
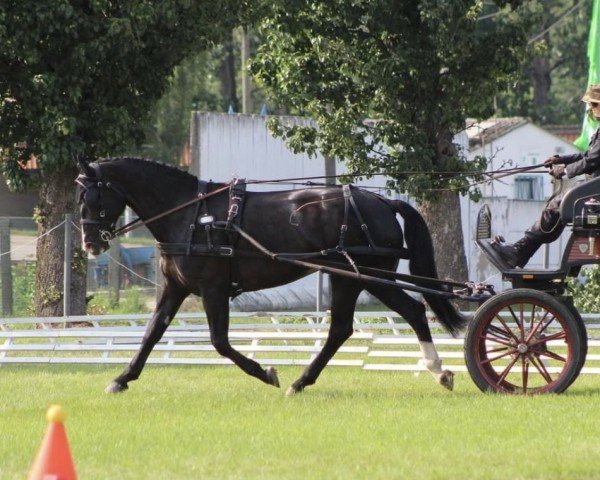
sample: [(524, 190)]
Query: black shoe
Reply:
[(508, 252)]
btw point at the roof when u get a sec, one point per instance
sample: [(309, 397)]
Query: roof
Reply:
[(568, 133), (480, 133)]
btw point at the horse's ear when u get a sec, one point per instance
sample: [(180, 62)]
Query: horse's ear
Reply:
[(84, 166)]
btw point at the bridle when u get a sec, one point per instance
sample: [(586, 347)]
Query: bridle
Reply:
[(108, 228), (88, 182)]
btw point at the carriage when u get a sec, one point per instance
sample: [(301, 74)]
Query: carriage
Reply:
[(217, 240), (545, 348)]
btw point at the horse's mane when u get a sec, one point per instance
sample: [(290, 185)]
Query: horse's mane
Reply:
[(148, 163)]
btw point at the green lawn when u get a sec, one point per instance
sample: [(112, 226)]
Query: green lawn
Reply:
[(203, 422)]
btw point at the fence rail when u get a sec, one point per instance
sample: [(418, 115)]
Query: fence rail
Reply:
[(381, 341)]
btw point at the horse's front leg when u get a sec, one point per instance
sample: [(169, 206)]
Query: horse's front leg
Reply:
[(216, 305), (170, 300)]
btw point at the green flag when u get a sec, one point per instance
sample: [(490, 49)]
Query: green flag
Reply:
[(590, 125)]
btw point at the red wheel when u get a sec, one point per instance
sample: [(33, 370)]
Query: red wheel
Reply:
[(525, 342)]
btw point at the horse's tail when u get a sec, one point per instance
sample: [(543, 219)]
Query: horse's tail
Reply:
[(422, 263)]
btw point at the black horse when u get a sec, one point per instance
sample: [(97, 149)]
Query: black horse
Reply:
[(197, 257)]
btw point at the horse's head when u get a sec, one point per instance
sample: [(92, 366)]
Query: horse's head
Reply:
[(101, 204)]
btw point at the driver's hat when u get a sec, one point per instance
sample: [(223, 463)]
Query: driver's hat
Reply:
[(592, 95)]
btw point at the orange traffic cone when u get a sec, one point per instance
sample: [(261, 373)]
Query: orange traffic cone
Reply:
[(53, 461)]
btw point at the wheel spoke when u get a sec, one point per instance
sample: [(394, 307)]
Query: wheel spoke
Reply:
[(522, 317), (525, 375), (532, 318), (497, 349), (498, 357), (554, 336), (492, 338), (507, 330), (539, 365), (507, 370), (547, 324), (517, 321), (499, 331), (536, 330), (553, 355)]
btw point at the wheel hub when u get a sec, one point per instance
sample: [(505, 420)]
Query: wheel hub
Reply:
[(522, 348)]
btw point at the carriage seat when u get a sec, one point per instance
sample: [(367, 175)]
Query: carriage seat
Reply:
[(572, 203)]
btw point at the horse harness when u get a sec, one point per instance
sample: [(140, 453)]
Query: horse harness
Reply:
[(231, 226), (203, 218)]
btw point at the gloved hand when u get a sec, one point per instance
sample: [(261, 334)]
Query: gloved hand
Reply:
[(558, 171), (552, 161)]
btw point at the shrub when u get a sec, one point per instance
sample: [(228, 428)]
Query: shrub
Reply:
[(23, 289), (586, 290)]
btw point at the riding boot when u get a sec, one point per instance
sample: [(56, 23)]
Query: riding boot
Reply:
[(516, 254), (546, 230)]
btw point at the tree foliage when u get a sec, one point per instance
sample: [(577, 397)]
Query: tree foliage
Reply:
[(417, 69), (209, 81), (586, 290), (553, 75), (80, 78)]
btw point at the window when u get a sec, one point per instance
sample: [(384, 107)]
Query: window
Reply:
[(529, 188)]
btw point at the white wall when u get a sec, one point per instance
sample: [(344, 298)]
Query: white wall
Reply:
[(235, 145)]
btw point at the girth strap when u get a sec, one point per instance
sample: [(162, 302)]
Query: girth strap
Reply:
[(202, 189), (197, 249), (363, 224), (350, 203)]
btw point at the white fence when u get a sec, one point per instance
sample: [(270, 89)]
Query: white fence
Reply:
[(381, 341)]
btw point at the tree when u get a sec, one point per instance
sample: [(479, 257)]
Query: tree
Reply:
[(208, 80), (80, 79), (193, 86), (416, 68), (553, 75)]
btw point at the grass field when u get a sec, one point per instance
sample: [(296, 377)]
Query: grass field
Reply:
[(215, 422)]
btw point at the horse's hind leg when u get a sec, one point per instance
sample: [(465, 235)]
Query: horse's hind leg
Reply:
[(168, 304), (216, 305), (413, 312), (344, 293)]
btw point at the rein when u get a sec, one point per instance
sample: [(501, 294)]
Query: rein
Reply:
[(97, 182), (138, 222)]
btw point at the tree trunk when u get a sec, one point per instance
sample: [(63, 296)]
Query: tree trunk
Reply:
[(57, 197), (541, 80), (445, 224), (227, 76)]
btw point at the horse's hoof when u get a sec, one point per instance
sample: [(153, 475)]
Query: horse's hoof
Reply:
[(116, 387), (447, 380), (291, 391), (272, 376)]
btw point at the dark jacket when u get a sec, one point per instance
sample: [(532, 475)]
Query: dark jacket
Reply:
[(587, 162)]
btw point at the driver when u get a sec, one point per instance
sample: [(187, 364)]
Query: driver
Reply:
[(549, 227)]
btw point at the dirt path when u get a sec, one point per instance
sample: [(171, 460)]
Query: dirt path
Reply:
[(22, 247)]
